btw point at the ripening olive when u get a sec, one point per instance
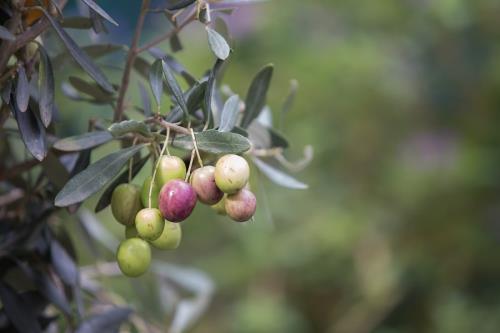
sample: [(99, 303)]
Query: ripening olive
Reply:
[(134, 257), (241, 205), (149, 223), (125, 203), (203, 182), (154, 193), (177, 200), (170, 167), (231, 173), (170, 238)]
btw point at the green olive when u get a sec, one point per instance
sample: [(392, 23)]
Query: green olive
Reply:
[(170, 167), (154, 193), (220, 207), (125, 203), (149, 223), (231, 173), (134, 257), (170, 238)]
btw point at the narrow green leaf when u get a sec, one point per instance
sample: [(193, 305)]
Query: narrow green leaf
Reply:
[(32, 131), (22, 90), (80, 57), (156, 80), (194, 97), (89, 88), (92, 179), (215, 142), (146, 101), (105, 198), (46, 87), (218, 44), (100, 11), (6, 34), (256, 96), (278, 177), (263, 137), (84, 141), (210, 91), (229, 115), (129, 126), (174, 87)]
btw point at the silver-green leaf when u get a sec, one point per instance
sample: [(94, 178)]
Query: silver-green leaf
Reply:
[(229, 115), (174, 87), (218, 44), (93, 178), (256, 96), (277, 176), (45, 87), (84, 141), (156, 80), (129, 126), (215, 142)]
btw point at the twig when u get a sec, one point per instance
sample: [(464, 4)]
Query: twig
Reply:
[(166, 36), (132, 54), (166, 124)]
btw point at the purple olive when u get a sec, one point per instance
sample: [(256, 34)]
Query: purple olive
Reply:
[(177, 200), (203, 182), (241, 205)]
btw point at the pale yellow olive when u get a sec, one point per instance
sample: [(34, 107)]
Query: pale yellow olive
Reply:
[(170, 167), (149, 223), (231, 173)]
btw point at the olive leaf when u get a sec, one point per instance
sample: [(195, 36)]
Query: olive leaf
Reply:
[(210, 91), (129, 126), (194, 97), (229, 115), (107, 321), (80, 57), (77, 22), (256, 96), (215, 142), (83, 141), (174, 87), (45, 87), (93, 178), (22, 90), (20, 313), (32, 131), (277, 176), (156, 80), (146, 101), (266, 137), (89, 88), (96, 8), (218, 44)]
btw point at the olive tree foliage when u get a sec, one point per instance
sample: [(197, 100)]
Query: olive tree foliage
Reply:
[(41, 286)]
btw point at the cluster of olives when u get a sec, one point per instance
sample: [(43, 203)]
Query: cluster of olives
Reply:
[(170, 199)]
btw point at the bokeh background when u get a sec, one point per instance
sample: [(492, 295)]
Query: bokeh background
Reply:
[(399, 231)]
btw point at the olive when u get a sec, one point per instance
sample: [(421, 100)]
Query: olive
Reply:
[(125, 203), (170, 238), (169, 168), (134, 257), (241, 205), (177, 200), (203, 182), (149, 223), (231, 173)]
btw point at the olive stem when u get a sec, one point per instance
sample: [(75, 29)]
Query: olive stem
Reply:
[(190, 165), (196, 148), (165, 144)]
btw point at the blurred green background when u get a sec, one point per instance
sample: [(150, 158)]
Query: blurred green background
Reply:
[(399, 228)]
